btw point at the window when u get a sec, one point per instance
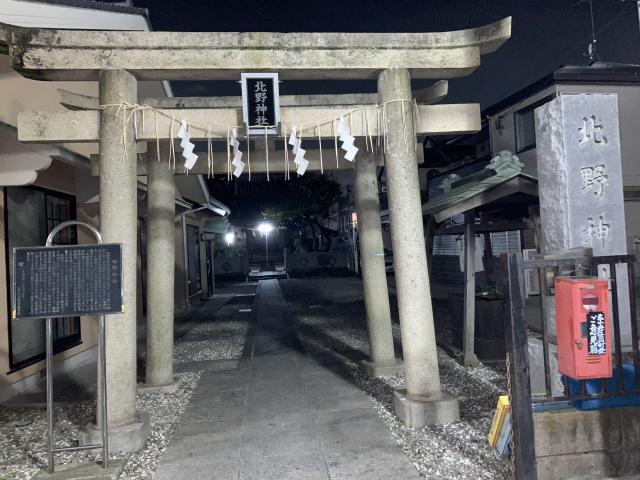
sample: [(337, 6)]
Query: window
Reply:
[(525, 125), (525, 130), (193, 254), (447, 244), (505, 242), (501, 242), (30, 215)]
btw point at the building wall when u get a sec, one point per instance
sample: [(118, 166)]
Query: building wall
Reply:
[(32, 95), (59, 177), (78, 182), (629, 108), (197, 219), (504, 138), (29, 95)]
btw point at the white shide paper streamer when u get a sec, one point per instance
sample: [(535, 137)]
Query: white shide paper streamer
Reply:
[(347, 141), (237, 154), (299, 152), (190, 158)]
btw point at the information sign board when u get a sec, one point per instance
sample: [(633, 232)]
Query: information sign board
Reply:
[(67, 281)]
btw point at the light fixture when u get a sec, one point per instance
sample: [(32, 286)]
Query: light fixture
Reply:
[(265, 228), (229, 237)]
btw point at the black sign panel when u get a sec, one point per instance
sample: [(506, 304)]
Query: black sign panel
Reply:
[(67, 281), (260, 103), (596, 333)]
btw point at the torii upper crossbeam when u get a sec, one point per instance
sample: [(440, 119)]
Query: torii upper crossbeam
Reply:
[(80, 55)]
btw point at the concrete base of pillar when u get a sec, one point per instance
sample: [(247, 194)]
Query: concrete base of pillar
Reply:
[(125, 438), (172, 387), (377, 370), (432, 411), (84, 471)]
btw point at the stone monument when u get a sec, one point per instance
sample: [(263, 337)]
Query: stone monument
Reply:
[(580, 181)]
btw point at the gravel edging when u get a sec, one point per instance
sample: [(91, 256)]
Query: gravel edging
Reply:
[(22, 448), (221, 336)]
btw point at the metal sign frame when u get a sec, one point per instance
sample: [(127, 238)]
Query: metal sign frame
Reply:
[(252, 129), (102, 369)]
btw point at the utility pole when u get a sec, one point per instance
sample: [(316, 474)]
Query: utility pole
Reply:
[(637, 6)]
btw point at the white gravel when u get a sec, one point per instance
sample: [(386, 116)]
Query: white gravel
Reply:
[(453, 451), (219, 337), (220, 340), (23, 449)]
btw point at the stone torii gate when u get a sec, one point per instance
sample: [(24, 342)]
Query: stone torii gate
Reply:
[(117, 60), (159, 365)]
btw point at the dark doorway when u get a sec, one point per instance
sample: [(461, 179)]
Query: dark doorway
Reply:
[(208, 248)]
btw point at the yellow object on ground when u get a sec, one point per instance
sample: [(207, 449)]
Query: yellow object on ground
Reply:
[(498, 419)]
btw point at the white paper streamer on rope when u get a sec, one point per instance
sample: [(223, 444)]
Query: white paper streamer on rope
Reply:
[(299, 152), (237, 154), (190, 158), (130, 111), (347, 141)]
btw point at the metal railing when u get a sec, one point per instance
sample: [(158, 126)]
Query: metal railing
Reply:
[(548, 269), (517, 342)]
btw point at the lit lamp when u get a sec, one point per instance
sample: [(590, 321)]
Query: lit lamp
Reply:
[(265, 229), (229, 237)]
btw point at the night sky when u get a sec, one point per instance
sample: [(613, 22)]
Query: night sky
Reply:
[(545, 35)]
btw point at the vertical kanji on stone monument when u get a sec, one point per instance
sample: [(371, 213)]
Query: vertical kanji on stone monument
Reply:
[(580, 181)]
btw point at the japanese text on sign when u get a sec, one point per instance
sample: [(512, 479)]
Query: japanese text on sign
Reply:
[(260, 102), (596, 333), (67, 281)]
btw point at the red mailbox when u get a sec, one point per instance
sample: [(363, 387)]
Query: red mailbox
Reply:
[(584, 332)]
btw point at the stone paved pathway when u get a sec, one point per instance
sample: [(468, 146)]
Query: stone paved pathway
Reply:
[(282, 415)]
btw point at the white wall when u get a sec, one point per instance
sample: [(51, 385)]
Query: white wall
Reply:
[(31, 95), (36, 14)]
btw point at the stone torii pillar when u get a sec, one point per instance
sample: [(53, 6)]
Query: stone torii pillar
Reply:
[(119, 224), (161, 243), (374, 277), (424, 402)]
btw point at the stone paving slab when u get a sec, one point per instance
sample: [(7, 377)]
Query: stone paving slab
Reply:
[(205, 427), (227, 469), (206, 365), (286, 415)]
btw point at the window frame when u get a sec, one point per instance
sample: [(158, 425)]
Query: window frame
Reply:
[(516, 131), (59, 345)]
